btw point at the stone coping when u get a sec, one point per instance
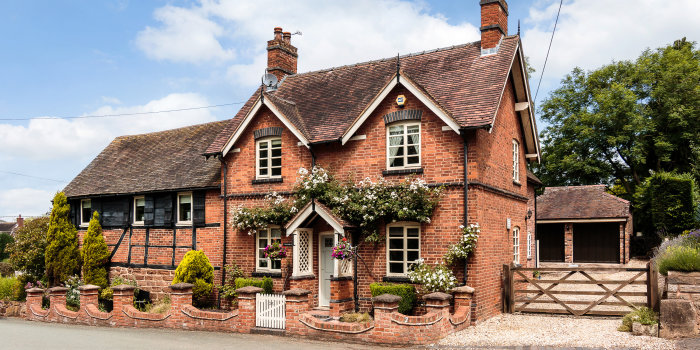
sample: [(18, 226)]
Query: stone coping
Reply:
[(386, 298), (88, 287), (296, 292), (249, 290), (463, 289), (437, 296), (57, 289), (35, 290), (181, 286)]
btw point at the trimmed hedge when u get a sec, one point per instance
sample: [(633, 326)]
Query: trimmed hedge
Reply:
[(265, 283), (195, 268), (406, 291), (666, 204)]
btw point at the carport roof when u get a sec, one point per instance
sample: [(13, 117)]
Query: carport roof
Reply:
[(580, 202)]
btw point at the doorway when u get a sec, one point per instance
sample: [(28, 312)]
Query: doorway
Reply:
[(325, 268)]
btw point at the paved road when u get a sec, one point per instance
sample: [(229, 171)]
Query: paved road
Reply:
[(21, 334)]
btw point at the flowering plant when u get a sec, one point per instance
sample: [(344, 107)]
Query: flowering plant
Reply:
[(436, 278), (465, 246), (276, 211), (342, 250), (275, 251)]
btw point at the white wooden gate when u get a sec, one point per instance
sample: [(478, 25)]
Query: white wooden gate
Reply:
[(270, 310)]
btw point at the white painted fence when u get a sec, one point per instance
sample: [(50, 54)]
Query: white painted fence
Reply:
[(270, 310)]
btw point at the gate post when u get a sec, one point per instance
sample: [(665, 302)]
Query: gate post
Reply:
[(246, 307), (507, 289), (652, 286), (297, 303)]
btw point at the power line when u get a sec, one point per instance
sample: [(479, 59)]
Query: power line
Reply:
[(32, 176), (548, 49), (129, 114)]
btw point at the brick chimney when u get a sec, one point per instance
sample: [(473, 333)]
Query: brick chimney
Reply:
[(281, 55), (20, 221), (494, 22)]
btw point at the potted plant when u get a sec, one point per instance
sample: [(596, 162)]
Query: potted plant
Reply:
[(275, 251), (342, 250)]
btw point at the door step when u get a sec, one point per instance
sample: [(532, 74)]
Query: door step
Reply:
[(270, 331)]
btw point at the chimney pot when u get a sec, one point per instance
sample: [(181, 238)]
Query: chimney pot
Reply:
[(278, 33), (20, 221), (287, 37)]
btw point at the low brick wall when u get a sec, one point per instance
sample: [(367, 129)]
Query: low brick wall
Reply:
[(680, 309), (388, 326)]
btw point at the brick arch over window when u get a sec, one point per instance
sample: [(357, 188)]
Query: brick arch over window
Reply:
[(265, 132), (406, 114)]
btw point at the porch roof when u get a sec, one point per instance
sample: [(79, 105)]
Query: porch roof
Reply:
[(313, 209)]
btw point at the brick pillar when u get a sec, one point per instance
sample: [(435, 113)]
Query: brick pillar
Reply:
[(623, 242), (341, 296), (246, 307), (123, 296), (57, 296), (569, 242), (438, 302), (463, 296), (297, 304), (88, 295), (384, 306), (34, 296), (180, 296)]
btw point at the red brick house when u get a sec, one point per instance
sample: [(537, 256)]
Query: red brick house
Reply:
[(458, 117)]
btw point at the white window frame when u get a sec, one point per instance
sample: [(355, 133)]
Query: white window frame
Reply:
[(529, 245), (516, 245), (82, 219), (516, 161), (269, 167), (405, 226), (405, 125), (268, 231), (141, 222), (191, 207)]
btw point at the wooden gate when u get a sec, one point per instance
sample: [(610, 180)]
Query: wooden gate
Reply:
[(579, 291), (270, 310)]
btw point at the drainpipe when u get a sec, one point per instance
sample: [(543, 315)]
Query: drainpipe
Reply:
[(223, 267), (466, 192)]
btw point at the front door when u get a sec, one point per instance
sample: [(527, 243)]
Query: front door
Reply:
[(325, 268)]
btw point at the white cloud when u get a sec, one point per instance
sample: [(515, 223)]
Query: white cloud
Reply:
[(592, 33), (52, 139), (111, 100), (185, 36), (25, 201), (335, 33)]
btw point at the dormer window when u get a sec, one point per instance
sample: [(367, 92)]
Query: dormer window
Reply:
[(269, 158), (403, 145)]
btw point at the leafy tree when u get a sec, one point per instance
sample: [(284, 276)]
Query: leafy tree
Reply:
[(95, 254), (62, 253), (28, 249), (624, 120), (5, 240)]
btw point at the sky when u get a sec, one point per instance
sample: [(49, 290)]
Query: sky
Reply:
[(75, 58)]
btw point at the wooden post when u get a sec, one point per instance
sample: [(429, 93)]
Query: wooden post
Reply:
[(511, 297), (652, 286), (507, 286)]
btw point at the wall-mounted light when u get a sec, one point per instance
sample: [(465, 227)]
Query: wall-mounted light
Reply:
[(508, 224), (529, 214)]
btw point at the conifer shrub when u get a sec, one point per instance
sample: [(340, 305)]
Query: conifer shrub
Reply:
[(196, 269), (95, 254), (62, 253), (406, 291), (265, 283)]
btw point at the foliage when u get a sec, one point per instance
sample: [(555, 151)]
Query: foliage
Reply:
[(6, 269), (95, 254), (195, 268), (62, 254), (27, 252), (355, 317), (8, 288), (678, 258), (160, 307), (265, 283), (277, 210), (666, 204), (467, 243), (643, 315), (342, 250), (73, 294), (436, 278), (228, 289), (275, 251), (406, 291), (108, 293), (624, 119), (5, 240)]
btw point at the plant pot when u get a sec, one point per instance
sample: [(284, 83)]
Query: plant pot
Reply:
[(651, 330)]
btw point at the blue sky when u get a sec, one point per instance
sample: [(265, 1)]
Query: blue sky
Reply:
[(77, 58)]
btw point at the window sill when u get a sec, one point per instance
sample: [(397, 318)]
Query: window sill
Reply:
[(267, 181), (396, 279), (302, 277), (183, 223), (266, 274), (402, 171)]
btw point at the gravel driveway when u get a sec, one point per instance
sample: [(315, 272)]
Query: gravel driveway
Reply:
[(520, 330)]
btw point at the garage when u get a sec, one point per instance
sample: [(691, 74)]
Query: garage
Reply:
[(582, 224)]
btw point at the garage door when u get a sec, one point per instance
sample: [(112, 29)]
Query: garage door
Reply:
[(551, 237), (597, 242)]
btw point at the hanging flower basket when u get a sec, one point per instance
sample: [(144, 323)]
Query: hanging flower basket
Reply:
[(342, 250), (275, 251)]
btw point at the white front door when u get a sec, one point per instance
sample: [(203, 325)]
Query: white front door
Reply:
[(326, 267)]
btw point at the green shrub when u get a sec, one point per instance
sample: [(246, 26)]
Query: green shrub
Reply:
[(95, 254), (5, 240), (195, 268), (666, 204), (407, 292), (62, 253), (643, 315), (228, 290), (678, 258), (6, 270), (108, 293), (27, 252), (8, 288), (265, 283)]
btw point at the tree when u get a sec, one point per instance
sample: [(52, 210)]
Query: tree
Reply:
[(62, 253), (5, 241), (95, 254), (28, 249), (625, 120)]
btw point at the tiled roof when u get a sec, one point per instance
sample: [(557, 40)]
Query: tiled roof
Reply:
[(159, 161), (7, 226), (580, 202), (533, 178), (324, 104)]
